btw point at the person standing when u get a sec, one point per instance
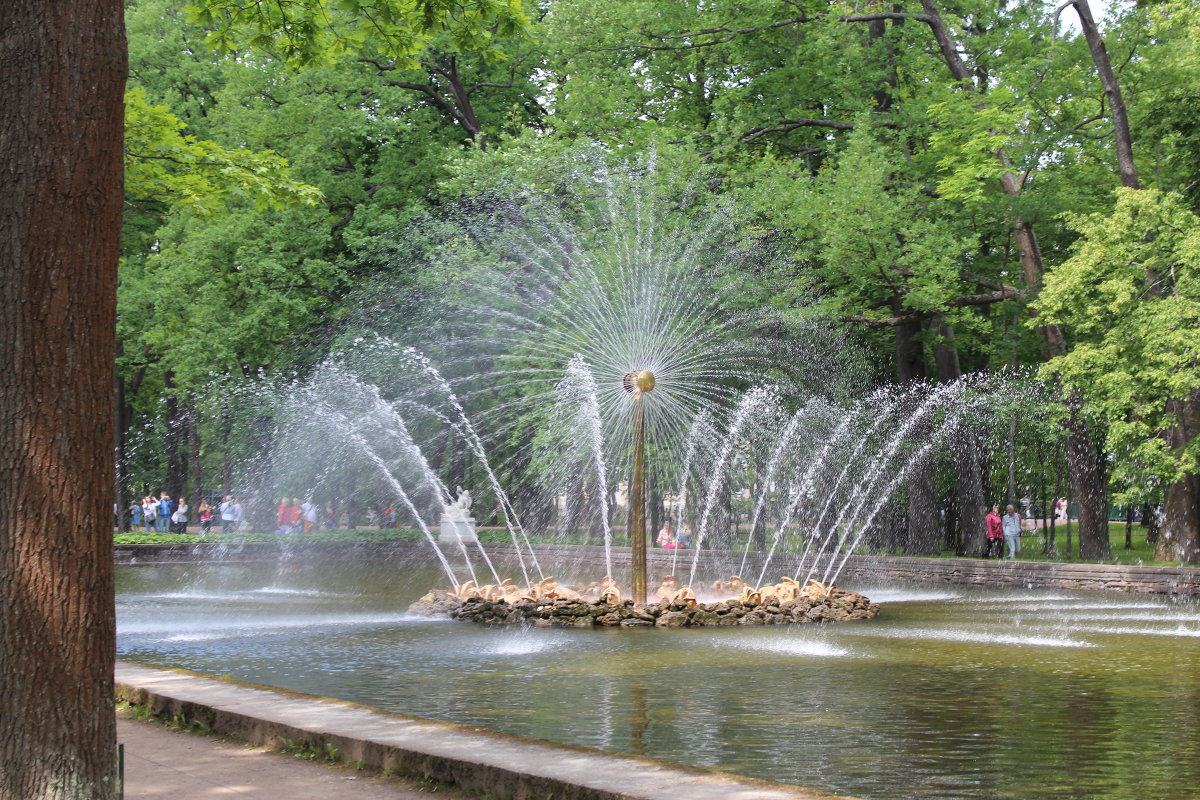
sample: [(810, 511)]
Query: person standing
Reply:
[(281, 515), (294, 516), (164, 513), (204, 514), (228, 514), (149, 512), (308, 513), (135, 515), (1012, 531), (995, 533), (239, 515), (179, 517)]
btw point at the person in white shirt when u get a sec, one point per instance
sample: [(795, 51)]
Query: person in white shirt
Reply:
[(308, 513), (1012, 531)]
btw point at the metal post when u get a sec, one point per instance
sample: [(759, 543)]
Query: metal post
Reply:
[(637, 502)]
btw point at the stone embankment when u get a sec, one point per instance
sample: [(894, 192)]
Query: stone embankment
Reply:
[(838, 606), (1178, 580)]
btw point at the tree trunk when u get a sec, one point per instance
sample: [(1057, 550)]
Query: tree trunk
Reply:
[(260, 505), (1089, 484), (123, 419), (60, 223), (193, 443), (971, 502), (923, 536), (1112, 92), (1070, 552), (921, 486), (655, 511), (1179, 539), (226, 454), (175, 433), (1052, 549), (350, 499)]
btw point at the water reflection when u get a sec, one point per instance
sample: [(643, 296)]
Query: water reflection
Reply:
[(949, 694)]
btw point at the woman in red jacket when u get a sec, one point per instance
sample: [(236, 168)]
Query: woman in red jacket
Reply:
[(995, 534)]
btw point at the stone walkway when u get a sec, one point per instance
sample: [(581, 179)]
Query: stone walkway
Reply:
[(164, 763)]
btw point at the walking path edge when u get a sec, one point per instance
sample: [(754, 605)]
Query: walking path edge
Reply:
[(493, 764)]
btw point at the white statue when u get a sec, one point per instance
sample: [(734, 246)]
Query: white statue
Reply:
[(460, 509), (457, 525)]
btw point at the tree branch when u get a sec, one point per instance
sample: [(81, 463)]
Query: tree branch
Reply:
[(786, 125), (1007, 293)]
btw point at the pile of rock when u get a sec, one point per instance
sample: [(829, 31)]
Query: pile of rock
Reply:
[(837, 606)]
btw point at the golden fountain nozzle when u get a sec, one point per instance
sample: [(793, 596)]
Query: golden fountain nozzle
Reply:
[(642, 380)]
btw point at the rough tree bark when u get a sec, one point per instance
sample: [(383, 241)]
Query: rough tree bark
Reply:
[(176, 434), (61, 85), (196, 479), (969, 494), (921, 513), (122, 417), (1179, 538), (1112, 92)]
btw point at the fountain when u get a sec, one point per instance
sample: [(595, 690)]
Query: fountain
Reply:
[(590, 362)]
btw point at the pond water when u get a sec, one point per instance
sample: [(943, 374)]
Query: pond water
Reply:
[(950, 693)]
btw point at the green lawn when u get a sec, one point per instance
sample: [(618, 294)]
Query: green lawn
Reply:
[(1140, 553), (342, 535), (1031, 543)]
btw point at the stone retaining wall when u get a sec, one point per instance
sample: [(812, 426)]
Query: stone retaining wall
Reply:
[(1181, 581)]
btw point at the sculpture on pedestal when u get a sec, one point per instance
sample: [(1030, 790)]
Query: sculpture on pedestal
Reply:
[(457, 524)]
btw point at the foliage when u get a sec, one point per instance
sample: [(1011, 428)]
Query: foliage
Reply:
[(310, 30), (1130, 298)]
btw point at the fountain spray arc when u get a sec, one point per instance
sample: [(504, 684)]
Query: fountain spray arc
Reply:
[(638, 383)]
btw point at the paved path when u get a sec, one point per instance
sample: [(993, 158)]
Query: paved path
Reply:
[(163, 763)]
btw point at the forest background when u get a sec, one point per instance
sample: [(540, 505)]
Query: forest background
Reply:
[(952, 188)]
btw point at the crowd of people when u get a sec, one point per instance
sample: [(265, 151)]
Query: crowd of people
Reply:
[(294, 516), (164, 514)]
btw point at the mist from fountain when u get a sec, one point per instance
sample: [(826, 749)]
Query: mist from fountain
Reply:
[(549, 315)]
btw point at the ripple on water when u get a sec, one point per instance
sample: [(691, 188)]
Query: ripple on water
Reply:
[(259, 626), (1118, 630), (524, 643), (908, 596), (1096, 605), (968, 636), (786, 645)]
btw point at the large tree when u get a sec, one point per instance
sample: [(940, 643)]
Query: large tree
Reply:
[(62, 81)]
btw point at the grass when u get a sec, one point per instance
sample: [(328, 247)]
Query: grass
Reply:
[(340, 535), (1032, 548)]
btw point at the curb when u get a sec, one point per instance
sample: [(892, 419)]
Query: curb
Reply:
[(496, 765)]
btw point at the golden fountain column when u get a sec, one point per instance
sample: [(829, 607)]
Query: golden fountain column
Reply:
[(638, 383)]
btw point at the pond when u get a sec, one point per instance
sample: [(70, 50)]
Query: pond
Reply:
[(950, 693)]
